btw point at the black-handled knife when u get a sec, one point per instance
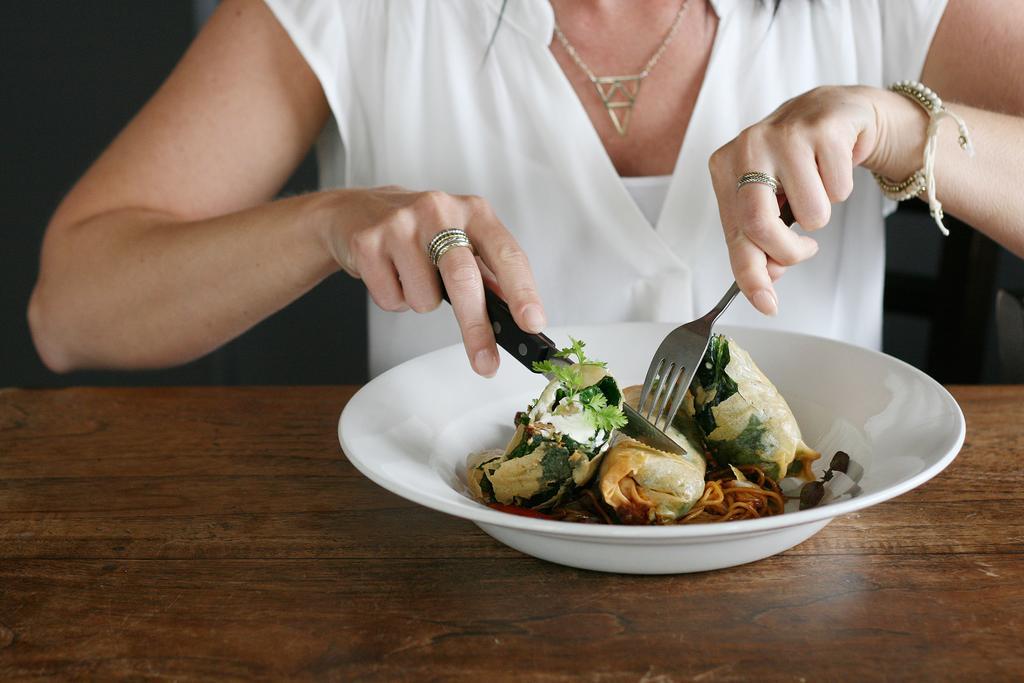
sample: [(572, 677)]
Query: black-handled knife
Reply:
[(524, 347), (528, 348)]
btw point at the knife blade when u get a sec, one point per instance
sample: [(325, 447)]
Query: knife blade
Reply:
[(642, 430), (528, 348)]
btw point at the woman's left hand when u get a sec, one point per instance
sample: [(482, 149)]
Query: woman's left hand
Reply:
[(811, 145)]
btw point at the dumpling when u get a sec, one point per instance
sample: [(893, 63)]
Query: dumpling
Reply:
[(742, 417), (558, 443), (539, 478), (644, 485)]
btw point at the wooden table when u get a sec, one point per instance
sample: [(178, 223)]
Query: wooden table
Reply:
[(220, 534)]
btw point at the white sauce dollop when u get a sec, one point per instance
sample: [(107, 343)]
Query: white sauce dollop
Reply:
[(567, 417)]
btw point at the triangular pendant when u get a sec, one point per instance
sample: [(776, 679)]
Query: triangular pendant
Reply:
[(621, 125), (618, 93)]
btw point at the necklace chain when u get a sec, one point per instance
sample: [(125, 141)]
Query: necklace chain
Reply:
[(618, 93), (650, 62)]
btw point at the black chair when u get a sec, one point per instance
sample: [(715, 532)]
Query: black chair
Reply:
[(957, 303), (1010, 335)]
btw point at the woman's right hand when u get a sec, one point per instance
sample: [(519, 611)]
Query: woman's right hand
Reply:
[(381, 236)]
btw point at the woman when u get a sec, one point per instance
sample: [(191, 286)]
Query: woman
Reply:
[(169, 246)]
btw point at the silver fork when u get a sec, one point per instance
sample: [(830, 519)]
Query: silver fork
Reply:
[(676, 361)]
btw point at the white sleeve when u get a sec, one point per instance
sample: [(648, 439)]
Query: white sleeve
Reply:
[(318, 32), (908, 27)]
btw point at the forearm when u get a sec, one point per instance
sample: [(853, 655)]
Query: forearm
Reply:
[(984, 190), (137, 289)]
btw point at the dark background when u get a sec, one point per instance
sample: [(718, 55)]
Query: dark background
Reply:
[(76, 71)]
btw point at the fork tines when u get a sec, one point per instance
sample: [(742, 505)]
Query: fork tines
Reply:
[(666, 394)]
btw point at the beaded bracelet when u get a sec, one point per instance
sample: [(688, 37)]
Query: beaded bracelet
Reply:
[(923, 180)]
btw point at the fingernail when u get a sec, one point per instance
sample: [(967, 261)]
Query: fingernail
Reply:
[(486, 362), (764, 300), (534, 317)]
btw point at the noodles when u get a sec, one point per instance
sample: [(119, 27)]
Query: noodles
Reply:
[(727, 499)]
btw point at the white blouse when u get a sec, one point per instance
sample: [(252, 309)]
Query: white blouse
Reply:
[(649, 193), (415, 104)]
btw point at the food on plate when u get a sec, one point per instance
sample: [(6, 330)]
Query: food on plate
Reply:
[(812, 492), (644, 485), (735, 493), (742, 416), (559, 439), (567, 461)]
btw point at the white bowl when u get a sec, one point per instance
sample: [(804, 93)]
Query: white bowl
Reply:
[(410, 430)]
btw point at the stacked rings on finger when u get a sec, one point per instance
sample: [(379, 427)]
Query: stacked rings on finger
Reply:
[(759, 177), (445, 240)]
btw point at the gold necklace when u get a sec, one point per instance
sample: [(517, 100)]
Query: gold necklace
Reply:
[(618, 93)]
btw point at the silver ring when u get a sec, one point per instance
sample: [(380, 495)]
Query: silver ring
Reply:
[(445, 240), (760, 178)]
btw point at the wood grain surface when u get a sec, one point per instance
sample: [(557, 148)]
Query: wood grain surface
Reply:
[(220, 534)]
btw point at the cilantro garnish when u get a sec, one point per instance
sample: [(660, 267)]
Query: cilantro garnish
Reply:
[(593, 399), (569, 376), (608, 418), (576, 349)]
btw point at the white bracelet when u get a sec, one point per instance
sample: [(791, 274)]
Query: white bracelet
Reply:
[(923, 180)]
